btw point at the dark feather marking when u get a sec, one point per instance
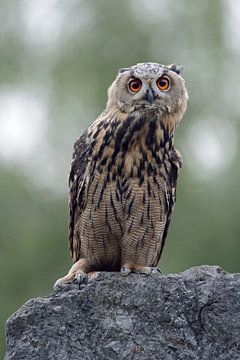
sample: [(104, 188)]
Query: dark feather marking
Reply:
[(131, 131), (117, 196), (118, 140), (152, 225), (106, 141), (150, 138), (165, 164), (130, 226), (104, 246), (125, 186), (106, 215), (95, 237), (131, 205), (140, 242), (119, 187), (149, 189), (173, 175), (94, 162), (105, 125), (162, 143), (107, 137), (109, 227), (156, 157), (124, 181), (150, 169), (94, 192), (106, 220), (157, 145), (115, 213), (95, 135), (105, 182), (118, 191), (141, 180), (104, 160), (148, 209), (141, 168), (127, 196), (139, 172), (154, 178), (93, 143), (119, 169)]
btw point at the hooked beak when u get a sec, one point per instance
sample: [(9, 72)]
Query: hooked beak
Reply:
[(150, 95)]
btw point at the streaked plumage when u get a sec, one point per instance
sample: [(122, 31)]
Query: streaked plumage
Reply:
[(122, 183)]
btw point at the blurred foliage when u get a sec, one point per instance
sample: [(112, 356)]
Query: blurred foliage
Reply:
[(66, 54)]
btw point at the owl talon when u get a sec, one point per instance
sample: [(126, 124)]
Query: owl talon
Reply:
[(155, 270), (125, 271), (82, 278)]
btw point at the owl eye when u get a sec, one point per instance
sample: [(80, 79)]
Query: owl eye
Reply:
[(135, 85), (164, 83)]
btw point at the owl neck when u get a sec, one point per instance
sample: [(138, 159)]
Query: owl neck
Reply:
[(129, 144), (142, 144), (148, 133)]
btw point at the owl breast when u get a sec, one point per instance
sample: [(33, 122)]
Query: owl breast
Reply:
[(127, 194)]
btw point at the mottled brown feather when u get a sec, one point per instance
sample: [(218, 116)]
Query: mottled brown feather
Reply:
[(77, 184), (123, 177)]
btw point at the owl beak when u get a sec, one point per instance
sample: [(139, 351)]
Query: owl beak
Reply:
[(150, 96)]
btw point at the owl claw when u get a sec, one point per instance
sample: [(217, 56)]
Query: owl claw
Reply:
[(155, 270), (125, 271), (82, 278)]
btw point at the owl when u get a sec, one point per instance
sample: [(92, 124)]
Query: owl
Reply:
[(124, 171)]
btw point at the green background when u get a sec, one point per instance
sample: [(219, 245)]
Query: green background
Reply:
[(57, 59)]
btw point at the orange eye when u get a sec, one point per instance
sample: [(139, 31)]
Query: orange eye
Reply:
[(135, 85), (164, 83)]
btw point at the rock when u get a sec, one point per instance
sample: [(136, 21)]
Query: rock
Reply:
[(192, 315)]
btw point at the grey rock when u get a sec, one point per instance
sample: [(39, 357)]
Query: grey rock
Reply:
[(192, 315)]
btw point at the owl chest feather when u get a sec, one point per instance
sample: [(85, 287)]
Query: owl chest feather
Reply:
[(137, 148), (129, 178)]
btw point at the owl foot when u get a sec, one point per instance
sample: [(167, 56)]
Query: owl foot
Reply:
[(131, 267), (78, 271), (83, 278), (155, 270), (125, 270)]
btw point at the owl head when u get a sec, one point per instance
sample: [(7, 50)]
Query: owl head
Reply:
[(149, 87)]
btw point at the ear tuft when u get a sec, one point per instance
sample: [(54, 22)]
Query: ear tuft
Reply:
[(178, 69), (122, 70)]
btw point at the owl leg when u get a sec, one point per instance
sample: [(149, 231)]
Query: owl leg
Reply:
[(78, 271), (129, 267)]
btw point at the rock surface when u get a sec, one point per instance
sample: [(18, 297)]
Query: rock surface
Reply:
[(192, 315)]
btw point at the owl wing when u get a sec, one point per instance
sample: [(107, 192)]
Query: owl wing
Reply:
[(78, 179), (176, 161)]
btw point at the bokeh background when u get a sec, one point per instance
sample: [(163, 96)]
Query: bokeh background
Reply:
[(57, 59)]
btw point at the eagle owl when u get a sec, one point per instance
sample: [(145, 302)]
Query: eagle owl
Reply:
[(124, 170)]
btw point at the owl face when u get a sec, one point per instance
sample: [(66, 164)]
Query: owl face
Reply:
[(149, 87)]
